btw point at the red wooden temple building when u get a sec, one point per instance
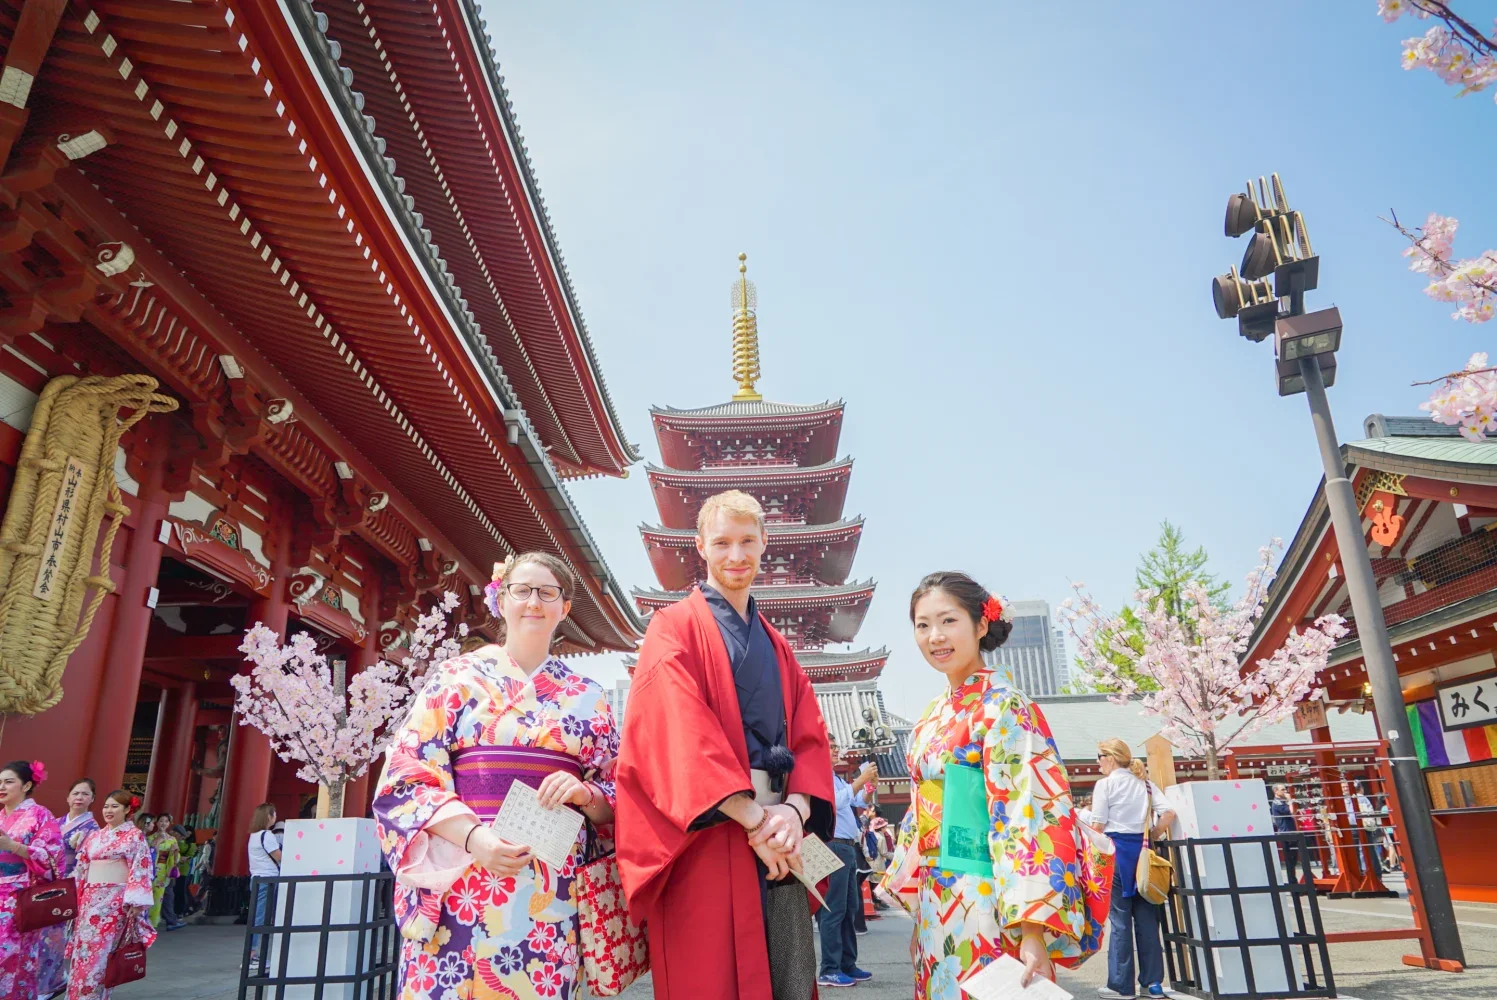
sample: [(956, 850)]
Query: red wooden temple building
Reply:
[(1429, 504), (314, 224), (784, 454)]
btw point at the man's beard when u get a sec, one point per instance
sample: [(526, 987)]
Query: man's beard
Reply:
[(724, 585)]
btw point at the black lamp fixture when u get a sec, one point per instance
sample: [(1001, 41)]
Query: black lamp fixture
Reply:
[(1279, 249)]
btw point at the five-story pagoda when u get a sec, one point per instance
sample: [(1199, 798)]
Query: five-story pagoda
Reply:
[(785, 455)]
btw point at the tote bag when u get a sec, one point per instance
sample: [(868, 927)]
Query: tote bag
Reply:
[(46, 904), (613, 946), (127, 962)]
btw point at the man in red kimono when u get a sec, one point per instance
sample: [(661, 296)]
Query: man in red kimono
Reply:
[(724, 766)]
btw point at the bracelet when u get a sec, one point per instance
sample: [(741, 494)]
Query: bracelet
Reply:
[(592, 795), (803, 819), (471, 830), (763, 818)]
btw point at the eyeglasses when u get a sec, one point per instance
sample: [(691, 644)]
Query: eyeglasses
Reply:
[(522, 592)]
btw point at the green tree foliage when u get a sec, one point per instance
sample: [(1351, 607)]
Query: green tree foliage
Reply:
[(1169, 566), (1164, 571)]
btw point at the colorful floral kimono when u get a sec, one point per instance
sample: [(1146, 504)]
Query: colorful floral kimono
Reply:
[(75, 831), (168, 854), (1041, 871), (107, 910), (24, 956), (479, 725)]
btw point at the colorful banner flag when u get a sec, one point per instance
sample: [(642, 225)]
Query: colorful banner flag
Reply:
[(1438, 747)]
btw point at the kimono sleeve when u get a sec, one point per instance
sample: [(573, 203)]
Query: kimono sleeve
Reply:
[(138, 869), (82, 857), (417, 788), (600, 747), (1032, 837), (900, 874), (43, 847)]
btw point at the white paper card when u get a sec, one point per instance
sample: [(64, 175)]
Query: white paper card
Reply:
[(816, 859), (550, 833), (1000, 981)]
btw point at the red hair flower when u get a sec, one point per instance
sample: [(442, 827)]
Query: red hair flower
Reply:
[(38, 772), (134, 802), (992, 609)]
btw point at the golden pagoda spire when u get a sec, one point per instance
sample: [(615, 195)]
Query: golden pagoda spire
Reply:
[(745, 334)]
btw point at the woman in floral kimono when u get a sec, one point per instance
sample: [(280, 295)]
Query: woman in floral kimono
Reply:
[(114, 896), (78, 823), (482, 916), (30, 849), (76, 826), (1040, 904), (168, 854)]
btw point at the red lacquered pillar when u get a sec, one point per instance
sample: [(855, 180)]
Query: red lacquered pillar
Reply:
[(171, 753), (63, 736), (247, 778), (119, 687)]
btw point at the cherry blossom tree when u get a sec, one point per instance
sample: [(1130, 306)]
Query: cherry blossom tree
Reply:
[(313, 714), (1463, 55), (1207, 699)]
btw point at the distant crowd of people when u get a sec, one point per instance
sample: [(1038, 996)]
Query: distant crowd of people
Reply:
[(131, 874)]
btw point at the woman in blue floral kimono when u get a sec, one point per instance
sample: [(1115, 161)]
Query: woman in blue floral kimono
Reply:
[(482, 917), (1047, 895)]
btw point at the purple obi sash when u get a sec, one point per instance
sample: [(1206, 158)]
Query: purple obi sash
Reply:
[(482, 775)]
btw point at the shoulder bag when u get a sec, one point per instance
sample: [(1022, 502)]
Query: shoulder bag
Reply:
[(613, 947), (127, 963), (1155, 875)]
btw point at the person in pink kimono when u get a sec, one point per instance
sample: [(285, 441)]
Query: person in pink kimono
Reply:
[(30, 850), (114, 876)]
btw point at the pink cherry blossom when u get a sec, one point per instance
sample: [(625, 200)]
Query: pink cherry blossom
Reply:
[(1467, 399), (1471, 283), (1207, 698), (289, 694)]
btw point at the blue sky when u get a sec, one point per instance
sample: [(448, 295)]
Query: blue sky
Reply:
[(991, 228)]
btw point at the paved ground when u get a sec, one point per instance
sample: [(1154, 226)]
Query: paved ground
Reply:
[(202, 963)]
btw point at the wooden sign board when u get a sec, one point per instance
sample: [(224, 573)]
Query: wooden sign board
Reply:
[(1161, 755), (1309, 715)]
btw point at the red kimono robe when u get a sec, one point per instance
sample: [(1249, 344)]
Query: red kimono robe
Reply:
[(683, 753)]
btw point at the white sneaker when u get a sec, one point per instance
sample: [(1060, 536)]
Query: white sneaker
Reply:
[(1108, 993)]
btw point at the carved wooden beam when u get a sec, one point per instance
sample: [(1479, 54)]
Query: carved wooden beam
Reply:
[(35, 29)]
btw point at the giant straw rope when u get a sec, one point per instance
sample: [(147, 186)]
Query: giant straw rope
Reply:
[(63, 491)]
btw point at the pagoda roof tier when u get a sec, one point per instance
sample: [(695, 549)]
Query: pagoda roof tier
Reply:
[(822, 667), (429, 80), (269, 229), (710, 435), (809, 617), (799, 552), (806, 494)]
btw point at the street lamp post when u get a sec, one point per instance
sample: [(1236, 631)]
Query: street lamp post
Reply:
[(871, 739), (1305, 348)]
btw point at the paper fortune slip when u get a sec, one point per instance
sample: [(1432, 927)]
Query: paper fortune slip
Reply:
[(549, 833), (816, 862), (816, 859), (1000, 981)]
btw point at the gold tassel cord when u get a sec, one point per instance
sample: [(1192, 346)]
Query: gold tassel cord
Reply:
[(64, 490)]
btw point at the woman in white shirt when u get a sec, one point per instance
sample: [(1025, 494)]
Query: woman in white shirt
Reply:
[(264, 860), (1121, 808)]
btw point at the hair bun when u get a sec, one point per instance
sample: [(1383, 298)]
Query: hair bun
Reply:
[(997, 635)]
